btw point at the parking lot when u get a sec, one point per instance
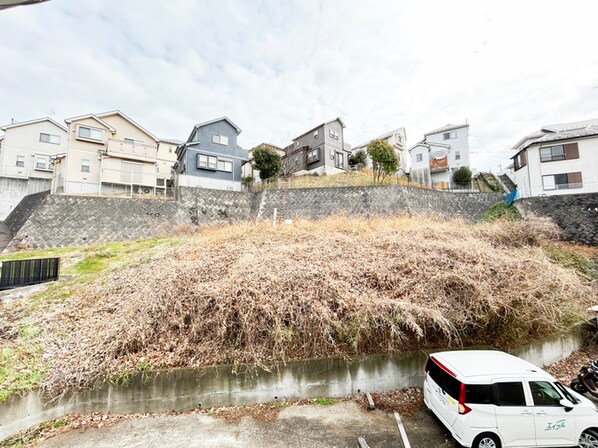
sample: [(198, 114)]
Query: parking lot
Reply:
[(338, 425)]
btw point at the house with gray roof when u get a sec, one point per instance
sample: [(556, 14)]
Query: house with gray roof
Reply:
[(211, 157), (439, 154), (557, 159), (321, 150)]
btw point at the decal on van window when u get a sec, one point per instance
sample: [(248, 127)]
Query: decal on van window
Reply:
[(555, 426)]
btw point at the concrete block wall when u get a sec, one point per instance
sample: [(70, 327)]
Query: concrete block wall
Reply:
[(20, 214), (575, 214), (12, 191), (62, 220)]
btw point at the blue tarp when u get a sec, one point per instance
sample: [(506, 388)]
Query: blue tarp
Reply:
[(511, 197)]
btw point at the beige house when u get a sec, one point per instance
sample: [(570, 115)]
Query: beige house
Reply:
[(27, 148), (247, 168), (109, 153), (167, 158)]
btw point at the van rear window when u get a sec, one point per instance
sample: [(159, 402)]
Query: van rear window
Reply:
[(448, 383), (478, 394)]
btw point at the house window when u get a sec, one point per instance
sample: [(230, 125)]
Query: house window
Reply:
[(85, 166), (91, 133), (225, 165), (21, 161), (49, 138), (40, 163), (313, 155), (170, 149), (207, 162), (559, 152), (563, 181), (449, 135), (457, 155), (339, 162), (333, 134), (131, 172), (220, 139), (520, 160), (399, 138), (419, 157)]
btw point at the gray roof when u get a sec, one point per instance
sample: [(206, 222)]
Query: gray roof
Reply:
[(447, 127), (380, 137), (558, 132), (340, 120), (237, 128)]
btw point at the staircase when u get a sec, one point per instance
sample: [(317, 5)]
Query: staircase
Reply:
[(507, 183)]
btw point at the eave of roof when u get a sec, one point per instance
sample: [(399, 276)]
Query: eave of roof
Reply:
[(380, 137), (445, 128), (237, 128), (339, 119), (37, 120), (130, 120), (93, 117)]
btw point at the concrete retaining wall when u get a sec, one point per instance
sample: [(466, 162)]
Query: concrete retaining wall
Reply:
[(575, 214), (12, 191), (21, 213), (218, 386)]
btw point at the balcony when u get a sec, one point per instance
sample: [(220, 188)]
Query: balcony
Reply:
[(112, 176), (131, 151)]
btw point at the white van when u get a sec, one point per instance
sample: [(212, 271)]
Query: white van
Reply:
[(490, 399)]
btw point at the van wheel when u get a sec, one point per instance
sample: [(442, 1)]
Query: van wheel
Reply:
[(588, 439), (488, 440)]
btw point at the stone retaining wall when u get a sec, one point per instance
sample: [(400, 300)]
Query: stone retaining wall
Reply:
[(575, 214)]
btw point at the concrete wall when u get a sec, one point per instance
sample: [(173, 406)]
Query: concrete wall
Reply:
[(575, 214), (181, 389), (12, 191), (19, 216)]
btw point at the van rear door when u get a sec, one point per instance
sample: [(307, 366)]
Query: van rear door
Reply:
[(444, 390)]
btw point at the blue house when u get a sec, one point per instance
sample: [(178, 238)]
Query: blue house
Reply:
[(211, 158)]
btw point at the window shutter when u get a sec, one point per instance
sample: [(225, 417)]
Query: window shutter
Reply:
[(571, 151), (574, 178)]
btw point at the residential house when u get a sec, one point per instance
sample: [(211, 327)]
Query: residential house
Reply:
[(557, 159), (320, 150), (441, 152), (248, 170), (167, 158), (396, 138), (27, 150), (211, 158), (28, 147), (108, 153)]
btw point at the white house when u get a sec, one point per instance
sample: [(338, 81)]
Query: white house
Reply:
[(396, 138), (441, 152), (557, 159), (27, 152)]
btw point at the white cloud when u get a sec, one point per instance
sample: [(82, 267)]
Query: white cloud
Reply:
[(277, 67)]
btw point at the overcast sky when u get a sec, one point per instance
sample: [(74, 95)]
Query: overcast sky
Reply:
[(276, 68)]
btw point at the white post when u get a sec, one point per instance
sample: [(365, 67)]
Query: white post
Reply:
[(274, 217)]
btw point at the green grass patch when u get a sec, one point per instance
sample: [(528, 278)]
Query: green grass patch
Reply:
[(324, 401), (584, 264), (501, 210), (21, 369)]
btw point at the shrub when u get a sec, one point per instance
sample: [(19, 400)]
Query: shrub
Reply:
[(267, 161), (462, 176)]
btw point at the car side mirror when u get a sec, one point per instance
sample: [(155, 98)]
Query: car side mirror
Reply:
[(566, 404)]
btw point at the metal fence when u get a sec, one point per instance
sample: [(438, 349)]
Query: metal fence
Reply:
[(28, 272)]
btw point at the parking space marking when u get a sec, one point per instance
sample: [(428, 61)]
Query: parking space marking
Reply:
[(402, 431)]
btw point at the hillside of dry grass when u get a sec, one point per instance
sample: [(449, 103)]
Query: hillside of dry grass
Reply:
[(253, 294)]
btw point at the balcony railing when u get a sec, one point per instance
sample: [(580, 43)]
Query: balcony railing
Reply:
[(132, 151)]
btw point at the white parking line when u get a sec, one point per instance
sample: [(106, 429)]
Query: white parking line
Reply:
[(402, 431)]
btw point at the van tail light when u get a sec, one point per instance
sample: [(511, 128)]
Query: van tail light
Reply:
[(463, 408)]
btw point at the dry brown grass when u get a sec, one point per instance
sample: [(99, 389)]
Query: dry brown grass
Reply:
[(253, 294)]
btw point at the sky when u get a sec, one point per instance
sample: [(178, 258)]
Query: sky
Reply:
[(277, 68)]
